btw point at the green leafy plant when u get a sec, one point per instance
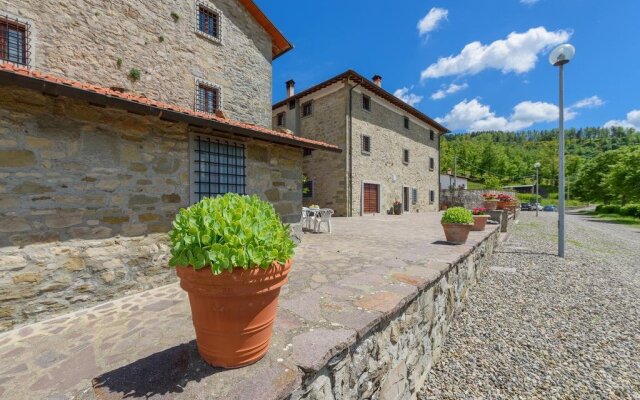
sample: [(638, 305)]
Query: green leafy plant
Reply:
[(134, 74), (119, 62), (175, 16), (457, 215), (230, 231), (160, 38)]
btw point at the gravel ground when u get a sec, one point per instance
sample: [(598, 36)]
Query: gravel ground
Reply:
[(549, 328)]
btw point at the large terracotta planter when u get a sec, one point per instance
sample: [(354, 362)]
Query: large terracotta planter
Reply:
[(490, 204), (457, 233), (505, 205), (233, 312), (479, 222)]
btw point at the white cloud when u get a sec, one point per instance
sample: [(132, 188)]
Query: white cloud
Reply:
[(589, 102), (632, 121), (451, 89), (472, 115), (410, 98), (430, 21), (529, 2), (517, 53)]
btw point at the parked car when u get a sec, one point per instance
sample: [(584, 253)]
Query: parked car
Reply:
[(550, 208), (536, 205), (526, 207)]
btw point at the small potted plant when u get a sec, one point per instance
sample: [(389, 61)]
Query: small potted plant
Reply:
[(232, 255), (480, 217), (397, 207), (506, 201), (457, 223), (490, 201)]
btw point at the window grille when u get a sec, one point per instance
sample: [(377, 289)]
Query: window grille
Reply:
[(414, 196), (307, 152), (14, 41), (307, 109), (366, 102), (281, 119), (208, 22), (366, 144), (207, 98), (432, 196), (219, 167), (307, 189), (431, 163), (406, 122), (405, 156), (431, 134)]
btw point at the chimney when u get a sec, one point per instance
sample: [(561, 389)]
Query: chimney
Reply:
[(377, 79), (291, 87)]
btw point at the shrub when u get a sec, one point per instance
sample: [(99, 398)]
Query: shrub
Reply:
[(631, 210), (230, 231), (134, 74), (457, 215)]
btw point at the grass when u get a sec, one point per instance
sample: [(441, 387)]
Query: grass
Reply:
[(613, 218)]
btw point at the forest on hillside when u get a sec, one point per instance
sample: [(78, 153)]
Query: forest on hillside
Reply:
[(508, 158)]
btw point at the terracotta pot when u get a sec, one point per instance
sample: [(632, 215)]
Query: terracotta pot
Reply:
[(503, 205), (233, 312), (479, 222), (490, 204), (457, 233)]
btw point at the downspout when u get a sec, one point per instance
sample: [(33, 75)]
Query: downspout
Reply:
[(349, 143)]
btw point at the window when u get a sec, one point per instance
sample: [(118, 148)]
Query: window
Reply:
[(292, 104), (366, 144), (405, 156), (218, 167), (307, 152), (406, 122), (14, 41), (414, 196), (431, 134), (207, 97), (307, 189), (366, 102), (208, 22), (282, 118), (432, 196), (432, 163), (307, 109)]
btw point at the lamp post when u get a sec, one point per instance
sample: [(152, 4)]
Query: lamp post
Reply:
[(560, 56), (537, 166)]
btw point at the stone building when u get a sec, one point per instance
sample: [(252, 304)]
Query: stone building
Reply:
[(390, 148), (113, 116)]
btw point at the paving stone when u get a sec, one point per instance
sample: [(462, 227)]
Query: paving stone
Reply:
[(312, 350)]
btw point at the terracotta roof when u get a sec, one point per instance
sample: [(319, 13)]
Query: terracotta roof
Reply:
[(279, 43), (366, 83), (11, 75)]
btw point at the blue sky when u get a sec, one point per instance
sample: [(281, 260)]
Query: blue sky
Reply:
[(502, 81)]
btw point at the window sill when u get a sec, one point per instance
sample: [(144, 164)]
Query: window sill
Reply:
[(405, 163), (366, 153), (216, 40)]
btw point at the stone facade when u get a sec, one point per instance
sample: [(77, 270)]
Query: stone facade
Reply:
[(88, 194), (100, 42), (392, 360), (384, 124)]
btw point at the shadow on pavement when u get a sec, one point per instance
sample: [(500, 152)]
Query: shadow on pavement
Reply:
[(444, 242), (161, 374)]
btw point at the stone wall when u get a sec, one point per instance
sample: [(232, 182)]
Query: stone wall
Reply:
[(384, 124), (467, 198), (84, 39), (393, 359), (87, 195)]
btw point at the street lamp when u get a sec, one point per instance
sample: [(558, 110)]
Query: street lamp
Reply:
[(560, 56), (537, 166)]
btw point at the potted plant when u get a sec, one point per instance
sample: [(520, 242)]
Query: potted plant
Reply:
[(457, 223), (480, 217), (232, 255), (490, 201), (397, 207), (506, 201)]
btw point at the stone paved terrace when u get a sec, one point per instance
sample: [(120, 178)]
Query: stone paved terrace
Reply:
[(341, 287)]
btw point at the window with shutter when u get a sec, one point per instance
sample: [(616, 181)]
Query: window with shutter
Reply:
[(366, 144)]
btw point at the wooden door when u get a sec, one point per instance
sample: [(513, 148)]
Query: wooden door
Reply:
[(405, 198), (370, 198)]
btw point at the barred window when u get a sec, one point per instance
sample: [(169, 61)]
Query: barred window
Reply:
[(431, 134), (406, 122), (307, 152), (366, 102), (207, 98), (281, 118), (14, 41), (432, 196), (405, 156), (292, 104), (208, 22), (414, 196), (307, 109), (307, 189), (366, 144), (218, 167), (432, 163)]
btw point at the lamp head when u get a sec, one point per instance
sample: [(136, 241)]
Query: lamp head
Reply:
[(537, 165), (562, 54)]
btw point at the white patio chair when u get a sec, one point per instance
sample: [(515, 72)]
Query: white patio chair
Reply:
[(323, 216)]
